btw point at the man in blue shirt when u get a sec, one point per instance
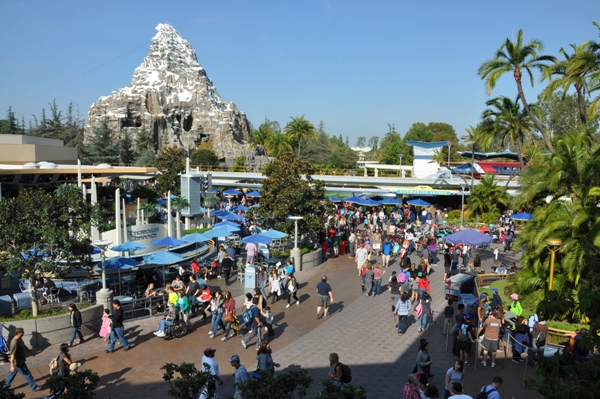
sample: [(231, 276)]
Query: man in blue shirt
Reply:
[(325, 297), (387, 252), (255, 326), (492, 389)]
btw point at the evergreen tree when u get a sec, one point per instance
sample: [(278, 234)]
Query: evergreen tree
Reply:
[(144, 140), (10, 125), (170, 164), (126, 153), (146, 158), (102, 147)]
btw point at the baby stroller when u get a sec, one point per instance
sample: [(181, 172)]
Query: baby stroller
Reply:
[(396, 249)]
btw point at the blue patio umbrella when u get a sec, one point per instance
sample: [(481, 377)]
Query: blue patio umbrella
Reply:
[(354, 198), (242, 208), (163, 258), (256, 239), (369, 202), (522, 216), (227, 223), (41, 253), (390, 201), (253, 194), (168, 242), (232, 192), (223, 231), (335, 199), (219, 212), (128, 246), (231, 216), (468, 236), (273, 234), (161, 202), (418, 202), (196, 237)]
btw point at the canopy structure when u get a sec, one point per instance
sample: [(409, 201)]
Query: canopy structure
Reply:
[(168, 242), (354, 198), (242, 208), (470, 237), (335, 199), (507, 153), (253, 194), (119, 263), (256, 239), (274, 234), (163, 258), (223, 231), (196, 237), (369, 202), (227, 223), (522, 216), (232, 192), (418, 202), (230, 216), (424, 190), (390, 201), (128, 246)]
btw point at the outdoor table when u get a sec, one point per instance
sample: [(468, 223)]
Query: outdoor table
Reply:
[(124, 299), (272, 261)]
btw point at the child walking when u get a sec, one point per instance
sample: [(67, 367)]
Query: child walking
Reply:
[(268, 317), (106, 328)]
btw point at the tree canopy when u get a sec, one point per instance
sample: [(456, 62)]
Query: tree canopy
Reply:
[(170, 164)]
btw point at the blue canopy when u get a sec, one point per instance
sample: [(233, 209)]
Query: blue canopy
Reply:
[(196, 237), (418, 202), (369, 202), (230, 216), (232, 192), (128, 246), (522, 216), (256, 238), (163, 258), (390, 201), (354, 199), (253, 194), (219, 212), (227, 223), (161, 202), (41, 253), (119, 262), (335, 199), (168, 242), (242, 208), (273, 234), (470, 237), (223, 231)]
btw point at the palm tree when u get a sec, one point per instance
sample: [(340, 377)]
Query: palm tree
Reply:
[(477, 137), (486, 196), (299, 129), (518, 57), (259, 137), (179, 204), (508, 120), (149, 210), (574, 70), (278, 143)]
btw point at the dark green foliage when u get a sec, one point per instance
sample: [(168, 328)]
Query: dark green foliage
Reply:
[(145, 191), (144, 141), (289, 190), (146, 158), (126, 153), (170, 164), (9, 393), (330, 391), (204, 157), (190, 382), (419, 132), (55, 226), (564, 378), (80, 384), (560, 114), (284, 385), (10, 125), (102, 148)]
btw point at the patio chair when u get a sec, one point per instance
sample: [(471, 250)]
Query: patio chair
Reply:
[(53, 295)]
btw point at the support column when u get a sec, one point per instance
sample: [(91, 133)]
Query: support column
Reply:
[(95, 232), (296, 254), (169, 217), (119, 235)]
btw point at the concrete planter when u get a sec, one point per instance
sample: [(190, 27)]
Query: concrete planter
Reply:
[(52, 330), (312, 259)]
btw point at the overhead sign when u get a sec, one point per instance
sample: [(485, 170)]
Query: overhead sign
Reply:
[(425, 190)]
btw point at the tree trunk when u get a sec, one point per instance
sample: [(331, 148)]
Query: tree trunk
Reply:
[(581, 105), (472, 165), (532, 115), (519, 154)]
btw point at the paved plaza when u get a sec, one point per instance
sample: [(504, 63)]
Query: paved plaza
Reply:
[(360, 330)]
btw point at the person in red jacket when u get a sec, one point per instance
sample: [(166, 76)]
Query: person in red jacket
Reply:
[(423, 284)]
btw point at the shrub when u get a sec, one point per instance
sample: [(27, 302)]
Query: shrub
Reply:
[(489, 217), (204, 157)]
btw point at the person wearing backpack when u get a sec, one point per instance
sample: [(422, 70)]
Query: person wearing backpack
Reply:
[(491, 391), (539, 334), (338, 372)]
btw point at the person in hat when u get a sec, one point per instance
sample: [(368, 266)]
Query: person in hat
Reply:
[(167, 321), (465, 337), (482, 312), (514, 310), (496, 299), (240, 375), (213, 368)]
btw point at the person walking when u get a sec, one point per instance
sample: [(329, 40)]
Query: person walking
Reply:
[(492, 389), (455, 374), (229, 317), (335, 371), (403, 306), (459, 393), (361, 256), (265, 360), (386, 252), (75, 319), (254, 325), (368, 278), (490, 339), (17, 363), (227, 266), (213, 369), (275, 286), (240, 375), (118, 330), (424, 362), (424, 286), (325, 297), (423, 311), (292, 289), (216, 309), (411, 389), (377, 277), (394, 289)]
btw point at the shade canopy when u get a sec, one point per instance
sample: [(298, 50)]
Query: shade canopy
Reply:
[(128, 246), (369, 202), (470, 237), (40, 253), (230, 216), (390, 201), (354, 198), (232, 192), (163, 258), (256, 239), (253, 194), (274, 234), (522, 216), (335, 199), (120, 262), (227, 223), (168, 242), (242, 208), (161, 202), (196, 237), (223, 231), (418, 202), (219, 212)]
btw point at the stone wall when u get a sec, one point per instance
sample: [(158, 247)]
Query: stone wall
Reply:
[(312, 259)]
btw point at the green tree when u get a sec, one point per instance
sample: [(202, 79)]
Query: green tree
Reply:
[(509, 121), (81, 384), (478, 138), (487, 196), (289, 190), (373, 141), (517, 57), (391, 146), (126, 153), (39, 229), (361, 142), (10, 125), (149, 210), (419, 132), (146, 158), (278, 144), (102, 147), (179, 204), (190, 382), (9, 393), (204, 157), (445, 132), (299, 130), (284, 385), (330, 391), (144, 141), (260, 137), (170, 164), (560, 113)]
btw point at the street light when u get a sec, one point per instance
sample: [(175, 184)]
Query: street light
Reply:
[(449, 145), (462, 206), (401, 171), (296, 253), (295, 219), (104, 295), (553, 245)]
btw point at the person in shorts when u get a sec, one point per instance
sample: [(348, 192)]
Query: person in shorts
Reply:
[(325, 297), (466, 337), (490, 341)]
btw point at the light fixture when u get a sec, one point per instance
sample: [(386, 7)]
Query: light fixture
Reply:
[(553, 246)]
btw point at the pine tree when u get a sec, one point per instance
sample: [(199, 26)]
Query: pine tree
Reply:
[(126, 153), (102, 147)]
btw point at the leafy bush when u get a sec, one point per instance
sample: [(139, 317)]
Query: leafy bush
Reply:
[(26, 314), (147, 192), (489, 217), (9, 393), (239, 161), (454, 214), (190, 381), (204, 157), (80, 384)]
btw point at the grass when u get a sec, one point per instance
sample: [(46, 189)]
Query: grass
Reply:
[(26, 314), (198, 230)]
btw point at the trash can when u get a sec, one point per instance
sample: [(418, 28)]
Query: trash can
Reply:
[(343, 248), (467, 300), (250, 280)]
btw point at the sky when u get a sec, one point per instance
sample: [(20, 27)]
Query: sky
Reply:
[(355, 65)]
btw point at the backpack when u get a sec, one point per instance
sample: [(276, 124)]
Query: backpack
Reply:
[(540, 340), (402, 278), (473, 308), (484, 394), (346, 374), (53, 365), (247, 316)]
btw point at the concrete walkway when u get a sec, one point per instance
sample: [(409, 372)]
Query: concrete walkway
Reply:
[(360, 330)]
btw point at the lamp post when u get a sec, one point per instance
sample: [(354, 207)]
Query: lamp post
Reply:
[(553, 245), (400, 163), (296, 253), (449, 145), (462, 205), (103, 296)]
